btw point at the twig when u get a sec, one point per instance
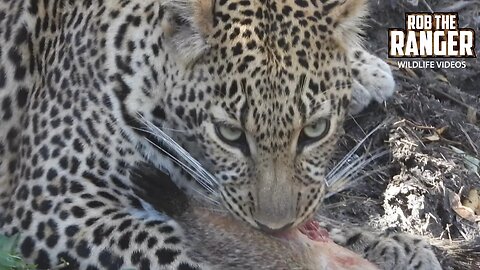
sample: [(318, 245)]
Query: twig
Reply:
[(469, 140), (427, 5), (456, 100)]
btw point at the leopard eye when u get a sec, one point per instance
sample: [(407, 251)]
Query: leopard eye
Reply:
[(229, 134), (317, 129), (314, 132), (233, 136)]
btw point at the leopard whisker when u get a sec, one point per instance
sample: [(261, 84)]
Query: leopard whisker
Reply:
[(174, 146), (181, 157), (341, 176), (185, 166), (351, 153), (355, 164), (343, 179)]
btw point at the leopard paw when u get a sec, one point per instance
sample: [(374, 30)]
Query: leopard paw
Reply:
[(372, 80), (401, 251)]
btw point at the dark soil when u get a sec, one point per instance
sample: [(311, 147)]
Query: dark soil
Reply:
[(433, 111)]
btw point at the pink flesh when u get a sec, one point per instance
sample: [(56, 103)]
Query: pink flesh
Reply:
[(311, 229), (330, 254), (314, 232)]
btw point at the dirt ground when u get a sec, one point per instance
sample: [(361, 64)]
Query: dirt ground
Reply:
[(429, 182)]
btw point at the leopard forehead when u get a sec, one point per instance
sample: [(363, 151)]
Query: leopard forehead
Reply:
[(256, 59), (275, 62)]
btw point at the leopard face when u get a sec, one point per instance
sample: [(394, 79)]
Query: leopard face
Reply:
[(258, 92)]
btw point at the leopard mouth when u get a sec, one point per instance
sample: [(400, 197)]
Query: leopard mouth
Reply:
[(310, 229), (314, 231)]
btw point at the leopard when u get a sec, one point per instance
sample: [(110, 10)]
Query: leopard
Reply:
[(239, 102)]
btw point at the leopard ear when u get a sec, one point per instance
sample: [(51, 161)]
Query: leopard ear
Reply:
[(186, 24), (347, 19)]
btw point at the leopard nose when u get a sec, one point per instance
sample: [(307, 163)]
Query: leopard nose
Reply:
[(270, 230)]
